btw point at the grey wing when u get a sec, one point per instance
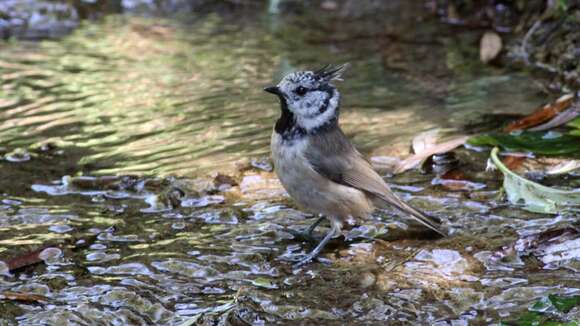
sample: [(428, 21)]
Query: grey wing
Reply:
[(329, 154), (332, 155)]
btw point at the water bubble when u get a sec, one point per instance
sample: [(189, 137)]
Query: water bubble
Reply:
[(129, 268), (101, 257), (98, 246), (51, 255), (178, 226), (11, 202), (203, 201), (60, 228), (17, 156)]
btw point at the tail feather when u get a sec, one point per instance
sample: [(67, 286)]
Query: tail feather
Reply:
[(429, 221)]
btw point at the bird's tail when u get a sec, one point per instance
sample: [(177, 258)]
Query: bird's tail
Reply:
[(429, 221)]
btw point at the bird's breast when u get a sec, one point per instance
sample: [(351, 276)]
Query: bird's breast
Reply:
[(308, 188), (290, 163)]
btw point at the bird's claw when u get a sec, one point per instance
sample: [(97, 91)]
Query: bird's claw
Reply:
[(303, 236), (299, 260)]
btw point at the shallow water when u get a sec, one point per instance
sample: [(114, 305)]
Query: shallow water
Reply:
[(172, 101)]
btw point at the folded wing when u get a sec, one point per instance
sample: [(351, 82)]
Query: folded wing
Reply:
[(332, 155)]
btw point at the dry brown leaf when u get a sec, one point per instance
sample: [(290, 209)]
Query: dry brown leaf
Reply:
[(514, 162), (551, 165), (489, 46), (564, 167), (561, 118), (542, 114), (25, 260), (24, 297), (425, 140), (414, 160)]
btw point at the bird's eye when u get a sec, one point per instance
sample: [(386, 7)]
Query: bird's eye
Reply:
[(300, 90)]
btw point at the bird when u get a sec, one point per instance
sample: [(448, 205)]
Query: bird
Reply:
[(316, 163)]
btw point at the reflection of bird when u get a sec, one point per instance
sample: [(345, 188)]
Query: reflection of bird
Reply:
[(317, 164)]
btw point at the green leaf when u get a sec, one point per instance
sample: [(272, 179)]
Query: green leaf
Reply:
[(574, 123), (541, 305), (534, 197), (564, 304), (535, 142), (264, 282), (531, 318)]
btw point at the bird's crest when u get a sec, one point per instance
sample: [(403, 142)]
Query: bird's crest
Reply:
[(331, 72)]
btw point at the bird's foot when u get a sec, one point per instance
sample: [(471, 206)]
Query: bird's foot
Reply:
[(306, 259), (304, 236), (307, 235), (301, 260)]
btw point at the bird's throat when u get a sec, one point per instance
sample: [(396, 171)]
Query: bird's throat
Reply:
[(286, 121)]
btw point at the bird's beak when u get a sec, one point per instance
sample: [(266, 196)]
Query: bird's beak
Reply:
[(273, 89)]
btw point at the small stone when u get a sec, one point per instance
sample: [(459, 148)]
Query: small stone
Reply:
[(262, 164), (224, 179), (367, 280)]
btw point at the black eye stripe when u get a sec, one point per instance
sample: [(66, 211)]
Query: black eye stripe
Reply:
[(326, 101)]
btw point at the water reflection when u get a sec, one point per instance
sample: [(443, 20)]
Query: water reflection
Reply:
[(152, 96)]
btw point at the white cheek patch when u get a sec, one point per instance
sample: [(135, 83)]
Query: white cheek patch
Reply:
[(311, 103), (312, 118)]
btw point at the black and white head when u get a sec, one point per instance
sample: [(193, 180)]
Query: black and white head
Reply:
[(308, 100)]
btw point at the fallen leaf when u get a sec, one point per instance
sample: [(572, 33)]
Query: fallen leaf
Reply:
[(547, 165), (24, 297), (25, 260), (425, 140), (564, 304), (561, 118), (40, 255), (455, 180), (564, 167), (532, 196), (489, 46), (574, 124), (547, 143), (542, 114), (454, 174), (513, 162), (415, 160)]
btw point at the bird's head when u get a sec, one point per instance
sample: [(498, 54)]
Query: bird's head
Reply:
[(308, 98)]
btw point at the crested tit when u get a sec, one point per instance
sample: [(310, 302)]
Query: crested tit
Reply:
[(317, 164)]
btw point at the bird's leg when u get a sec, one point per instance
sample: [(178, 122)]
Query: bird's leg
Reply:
[(309, 257), (306, 235), (311, 228)]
